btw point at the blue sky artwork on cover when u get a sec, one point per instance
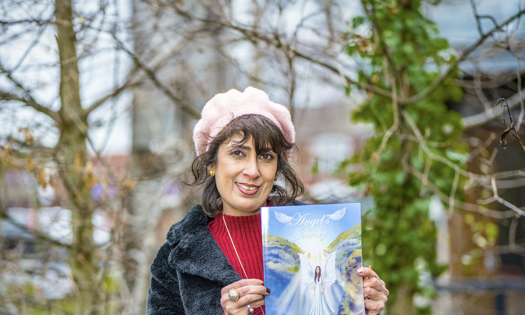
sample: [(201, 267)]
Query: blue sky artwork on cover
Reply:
[(311, 254)]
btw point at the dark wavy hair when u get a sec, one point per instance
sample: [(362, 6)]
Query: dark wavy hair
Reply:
[(317, 275), (265, 134)]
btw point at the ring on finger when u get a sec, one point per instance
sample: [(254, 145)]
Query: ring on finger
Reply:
[(250, 309), (234, 295)]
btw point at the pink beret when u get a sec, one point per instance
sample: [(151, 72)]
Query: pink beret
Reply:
[(225, 107)]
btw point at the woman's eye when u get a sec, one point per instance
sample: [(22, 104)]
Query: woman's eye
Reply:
[(267, 157), (237, 153)]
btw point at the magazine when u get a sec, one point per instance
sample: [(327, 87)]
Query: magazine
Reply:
[(311, 254)]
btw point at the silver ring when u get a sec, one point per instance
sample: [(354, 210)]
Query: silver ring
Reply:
[(250, 309)]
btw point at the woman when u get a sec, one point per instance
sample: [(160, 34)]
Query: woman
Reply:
[(212, 260), (320, 306)]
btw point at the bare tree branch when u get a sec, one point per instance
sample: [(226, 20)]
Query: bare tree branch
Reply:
[(479, 17), (486, 116), (27, 21), (6, 96), (24, 148), (38, 234), (502, 201), (111, 95), (30, 101)]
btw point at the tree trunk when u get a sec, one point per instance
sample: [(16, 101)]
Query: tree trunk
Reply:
[(403, 305), (71, 154)]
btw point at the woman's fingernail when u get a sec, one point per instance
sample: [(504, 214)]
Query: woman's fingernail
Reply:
[(268, 290), (359, 271)]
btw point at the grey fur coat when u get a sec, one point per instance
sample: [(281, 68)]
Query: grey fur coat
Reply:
[(190, 270)]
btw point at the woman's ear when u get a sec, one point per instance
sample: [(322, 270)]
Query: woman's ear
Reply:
[(212, 170)]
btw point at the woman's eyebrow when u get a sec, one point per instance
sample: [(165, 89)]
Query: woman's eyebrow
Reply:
[(245, 147), (240, 146)]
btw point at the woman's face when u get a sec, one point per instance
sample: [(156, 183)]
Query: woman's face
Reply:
[(243, 178)]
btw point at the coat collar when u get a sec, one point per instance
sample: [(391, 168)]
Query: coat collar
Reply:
[(195, 251)]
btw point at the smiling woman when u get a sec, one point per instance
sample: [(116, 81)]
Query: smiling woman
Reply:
[(255, 147), (212, 261), (244, 176)]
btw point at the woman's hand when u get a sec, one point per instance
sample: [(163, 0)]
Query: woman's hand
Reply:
[(374, 291), (251, 292)]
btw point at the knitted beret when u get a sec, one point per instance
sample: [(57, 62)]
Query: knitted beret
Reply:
[(225, 107)]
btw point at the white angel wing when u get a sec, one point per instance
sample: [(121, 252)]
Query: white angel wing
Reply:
[(330, 270), (338, 215), (283, 218), (307, 271)]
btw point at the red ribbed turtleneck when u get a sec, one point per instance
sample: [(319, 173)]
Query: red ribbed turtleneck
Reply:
[(246, 235)]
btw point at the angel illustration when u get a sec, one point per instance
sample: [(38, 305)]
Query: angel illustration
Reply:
[(319, 279)]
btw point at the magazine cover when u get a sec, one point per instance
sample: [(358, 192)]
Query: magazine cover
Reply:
[(311, 254)]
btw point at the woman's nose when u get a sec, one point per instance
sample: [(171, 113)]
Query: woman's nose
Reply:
[(252, 168)]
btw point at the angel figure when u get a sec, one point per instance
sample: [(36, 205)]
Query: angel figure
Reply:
[(320, 279)]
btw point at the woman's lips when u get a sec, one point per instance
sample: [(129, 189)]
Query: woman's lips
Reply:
[(247, 189)]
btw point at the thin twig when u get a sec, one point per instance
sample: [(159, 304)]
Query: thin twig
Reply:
[(479, 17), (502, 201), (482, 147), (486, 116), (115, 93), (27, 21)]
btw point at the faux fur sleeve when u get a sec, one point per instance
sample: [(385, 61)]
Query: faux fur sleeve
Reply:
[(163, 294)]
